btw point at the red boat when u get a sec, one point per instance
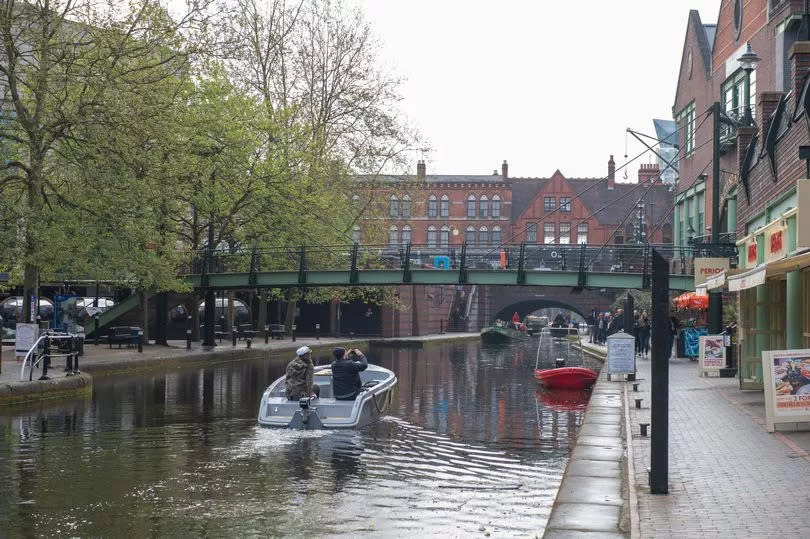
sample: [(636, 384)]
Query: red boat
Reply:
[(566, 377)]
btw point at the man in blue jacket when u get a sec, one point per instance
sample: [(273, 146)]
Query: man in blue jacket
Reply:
[(346, 369)]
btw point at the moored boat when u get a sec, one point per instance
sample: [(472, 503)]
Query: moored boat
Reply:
[(498, 334), (324, 411), (556, 342), (566, 377)]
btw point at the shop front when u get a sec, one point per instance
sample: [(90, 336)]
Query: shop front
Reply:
[(773, 288)]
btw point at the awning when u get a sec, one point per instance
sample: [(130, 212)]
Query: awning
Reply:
[(701, 290), (748, 279), (791, 263), (720, 280)]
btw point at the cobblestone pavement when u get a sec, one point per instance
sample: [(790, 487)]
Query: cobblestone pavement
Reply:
[(728, 477)]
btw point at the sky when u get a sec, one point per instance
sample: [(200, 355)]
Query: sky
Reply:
[(542, 84)]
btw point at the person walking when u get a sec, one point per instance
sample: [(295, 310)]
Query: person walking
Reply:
[(645, 328)]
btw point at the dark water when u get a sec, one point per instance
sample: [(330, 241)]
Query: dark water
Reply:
[(469, 447)]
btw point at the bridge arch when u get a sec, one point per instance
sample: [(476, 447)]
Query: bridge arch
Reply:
[(526, 307)]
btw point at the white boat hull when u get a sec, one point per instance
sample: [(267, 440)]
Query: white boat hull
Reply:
[(326, 412)]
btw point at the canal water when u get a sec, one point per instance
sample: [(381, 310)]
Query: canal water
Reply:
[(469, 446)]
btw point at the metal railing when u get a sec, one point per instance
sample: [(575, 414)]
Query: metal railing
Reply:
[(42, 355)]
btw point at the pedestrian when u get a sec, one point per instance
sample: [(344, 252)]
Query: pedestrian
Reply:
[(645, 328), (298, 378), (637, 331), (674, 327), (346, 369)]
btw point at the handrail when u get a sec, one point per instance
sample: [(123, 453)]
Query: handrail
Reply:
[(36, 345)]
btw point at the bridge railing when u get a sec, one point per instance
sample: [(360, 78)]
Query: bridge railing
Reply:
[(627, 258)]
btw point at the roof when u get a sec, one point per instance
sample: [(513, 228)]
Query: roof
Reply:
[(437, 178)]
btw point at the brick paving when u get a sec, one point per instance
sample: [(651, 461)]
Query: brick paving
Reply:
[(728, 477)]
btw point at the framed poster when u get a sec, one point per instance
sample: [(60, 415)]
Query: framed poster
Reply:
[(25, 338), (621, 353), (712, 354), (787, 386)]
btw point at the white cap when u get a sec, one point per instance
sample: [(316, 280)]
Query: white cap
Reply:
[(303, 351)]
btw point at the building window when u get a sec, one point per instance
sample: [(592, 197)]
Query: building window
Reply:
[(582, 233), (496, 207), (548, 203), (483, 207), (686, 121), (406, 206), (469, 236), (394, 209), (431, 236), (471, 206), (565, 204), (444, 207), (483, 237), (531, 233), (433, 206), (356, 234), (496, 235), (732, 94), (548, 233), (738, 18), (565, 232), (444, 236), (393, 237), (406, 235)]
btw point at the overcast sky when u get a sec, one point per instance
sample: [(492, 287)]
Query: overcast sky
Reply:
[(540, 83)]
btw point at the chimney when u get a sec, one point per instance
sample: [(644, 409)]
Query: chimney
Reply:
[(611, 173), (505, 170), (648, 173), (799, 66), (420, 170)]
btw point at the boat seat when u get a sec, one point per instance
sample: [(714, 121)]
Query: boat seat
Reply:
[(326, 388)]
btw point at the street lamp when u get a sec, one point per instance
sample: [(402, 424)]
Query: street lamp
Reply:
[(748, 62)]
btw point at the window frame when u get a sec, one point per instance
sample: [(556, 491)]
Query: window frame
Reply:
[(405, 207), (564, 237), (496, 203), (549, 231), (472, 203), (405, 235), (531, 233), (582, 230), (496, 240), (433, 206), (483, 237), (565, 204), (432, 237), (686, 121), (393, 236), (444, 206), (469, 235), (444, 237), (483, 207), (393, 208), (549, 203)]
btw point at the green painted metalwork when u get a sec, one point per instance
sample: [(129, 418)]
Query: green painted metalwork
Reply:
[(111, 315)]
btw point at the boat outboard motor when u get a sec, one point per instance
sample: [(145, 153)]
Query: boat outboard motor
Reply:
[(559, 362), (306, 417)]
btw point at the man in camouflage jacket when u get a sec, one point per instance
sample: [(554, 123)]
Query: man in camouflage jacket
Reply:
[(299, 375)]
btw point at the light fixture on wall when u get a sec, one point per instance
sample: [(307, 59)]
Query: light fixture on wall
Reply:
[(748, 62)]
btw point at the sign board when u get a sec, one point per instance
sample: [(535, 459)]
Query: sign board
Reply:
[(747, 280), (621, 353), (775, 242), (712, 354), (787, 386), (26, 336), (751, 252), (705, 268)]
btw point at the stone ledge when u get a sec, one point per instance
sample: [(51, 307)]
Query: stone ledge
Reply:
[(55, 388)]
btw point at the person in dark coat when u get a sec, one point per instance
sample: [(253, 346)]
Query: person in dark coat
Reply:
[(346, 369), (298, 379)]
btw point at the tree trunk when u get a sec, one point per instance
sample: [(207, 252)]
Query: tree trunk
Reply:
[(31, 271)]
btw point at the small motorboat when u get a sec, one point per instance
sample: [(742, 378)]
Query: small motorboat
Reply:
[(562, 376), (566, 377), (326, 412), (501, 334)]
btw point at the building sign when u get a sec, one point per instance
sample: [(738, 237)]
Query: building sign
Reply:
[(706, 268), (621, 353), (25, 337), (776, 242), (787, 386), (712, 354), (751, 250)]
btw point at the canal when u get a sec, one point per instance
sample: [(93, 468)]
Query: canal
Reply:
[(468, 446)]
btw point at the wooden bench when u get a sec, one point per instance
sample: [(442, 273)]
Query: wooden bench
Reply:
[(246, 331), (121, 335)]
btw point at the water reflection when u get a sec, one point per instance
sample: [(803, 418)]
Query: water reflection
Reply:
[(468, 443)]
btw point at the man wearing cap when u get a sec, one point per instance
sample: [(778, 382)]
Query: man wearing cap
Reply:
[(299, 375), (346, 370)]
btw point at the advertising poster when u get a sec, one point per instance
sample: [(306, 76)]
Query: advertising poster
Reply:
[(787, 386), (621, 353), (712, 354), (26, 336)]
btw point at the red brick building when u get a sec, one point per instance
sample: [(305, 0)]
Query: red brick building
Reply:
[(490, 210)]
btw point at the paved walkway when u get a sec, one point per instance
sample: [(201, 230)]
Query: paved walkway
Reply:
[(728, 477)]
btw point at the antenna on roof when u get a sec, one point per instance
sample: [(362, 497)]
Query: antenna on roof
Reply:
[(625, 155)]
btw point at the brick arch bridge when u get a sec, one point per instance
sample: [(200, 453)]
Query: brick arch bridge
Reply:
[(502, 301)]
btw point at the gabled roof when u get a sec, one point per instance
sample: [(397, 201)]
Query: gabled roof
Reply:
[(704, 35), (436, 178)]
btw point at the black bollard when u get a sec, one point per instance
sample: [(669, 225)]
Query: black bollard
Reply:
[(69, 361), (46, 361), (441, 326), (76, 364), (95, 331), (233, 335), (140, 341), (188, 332), (221, 327), (293, 332), (266, 334), (317, 332), (248, 342)]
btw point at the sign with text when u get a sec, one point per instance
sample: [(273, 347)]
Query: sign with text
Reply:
[(25, 337), (751, 252), (787, 386), (712, 354), (705, 268), (621, 353)]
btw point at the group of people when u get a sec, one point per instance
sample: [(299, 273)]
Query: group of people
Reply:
[(346, 369), (602, 325)]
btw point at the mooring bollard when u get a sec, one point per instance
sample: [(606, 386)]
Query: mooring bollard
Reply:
[(643, 427), (635, 386), (46, 361), (638, 403), (293, 333), (266, 334), (317, 332), (234, 335), (188, 332), (140, 341)]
